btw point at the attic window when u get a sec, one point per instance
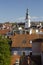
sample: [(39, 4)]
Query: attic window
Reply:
[(24, 41), (30, 41)]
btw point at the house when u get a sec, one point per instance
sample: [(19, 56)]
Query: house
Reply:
[(7, 26), (20, 44), (24, 43), (3, 32)]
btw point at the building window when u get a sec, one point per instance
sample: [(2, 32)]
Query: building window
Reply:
[(14, 52)]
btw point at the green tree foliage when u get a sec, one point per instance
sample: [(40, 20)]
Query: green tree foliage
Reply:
[(4, 51)]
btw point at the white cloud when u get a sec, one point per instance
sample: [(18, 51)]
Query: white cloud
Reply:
[(22, 19), (35, 17)]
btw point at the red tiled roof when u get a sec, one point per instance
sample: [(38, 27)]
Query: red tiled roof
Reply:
[(14, 58), (21, 41), (2, 32), (17, 40), (41, 30)]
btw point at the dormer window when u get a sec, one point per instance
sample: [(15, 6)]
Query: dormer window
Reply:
[(24, 41)]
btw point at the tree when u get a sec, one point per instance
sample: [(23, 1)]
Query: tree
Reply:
[(4, 51)]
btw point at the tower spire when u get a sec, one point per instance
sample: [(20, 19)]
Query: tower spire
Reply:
[(27, 19), (27, 13)]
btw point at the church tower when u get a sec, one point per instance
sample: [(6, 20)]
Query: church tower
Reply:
[(27, 20)]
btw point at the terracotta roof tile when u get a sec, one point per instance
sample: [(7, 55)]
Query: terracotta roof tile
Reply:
[(2, 32), (41, 30), (13, 59), (21, 41), (17, 40)]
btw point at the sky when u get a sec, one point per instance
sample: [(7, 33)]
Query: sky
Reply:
[(15, 10)]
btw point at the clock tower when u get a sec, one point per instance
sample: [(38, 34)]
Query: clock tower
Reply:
[(27, 20)]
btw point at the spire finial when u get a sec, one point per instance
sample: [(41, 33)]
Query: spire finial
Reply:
[(27, 13)]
